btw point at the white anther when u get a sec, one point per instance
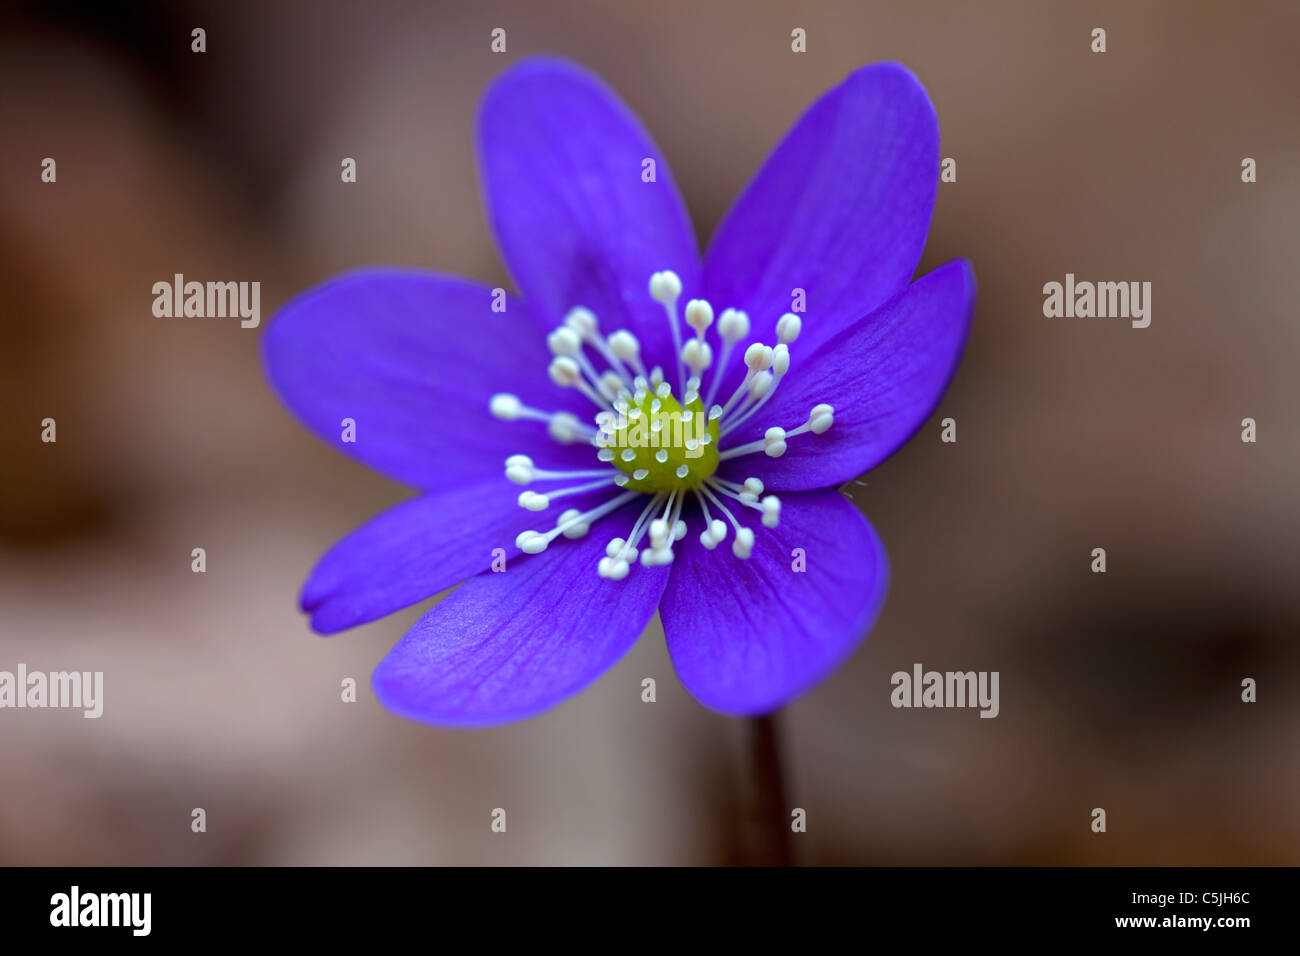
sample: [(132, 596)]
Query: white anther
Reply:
[(616, 569), (624, 345), (520, 469), (679, 530), (715, 413), (697, 354), (714, 534), (743, 546), (754, 487), (531, 542), (821, 418), (662, 388), (641, 474), (661, 456), (758, 357), (573, 529), (564, 341), (533, 501), (583, 321), (698, 315), (506, 406), (564, 427), (780, 360), (619, 550), (652, 557), (658, 533), (612, 384), (665, 287), (683, 471), (788, 328), (628, 454), (605, 454), (564, 371), (760, 386), (733, 325), (774, 441), (771, 511)]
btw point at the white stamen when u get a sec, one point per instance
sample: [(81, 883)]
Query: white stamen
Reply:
[(774, 440), (613, 384), (788, 328), (564, 427), (625, 347), (583, 321), (574, 528), (620, 553), (780, 365), (505, 406), (535, 542), (625, 389), (535, 501), (697, 355), (744, 540), (666, 288), (521, 470), (564, 371), (564, 341), (743, 546), (698, 315)]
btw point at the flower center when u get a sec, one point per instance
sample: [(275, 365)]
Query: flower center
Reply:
[(658, 443), (651, 443)]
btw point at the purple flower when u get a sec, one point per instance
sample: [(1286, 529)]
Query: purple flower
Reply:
[(821, 362)]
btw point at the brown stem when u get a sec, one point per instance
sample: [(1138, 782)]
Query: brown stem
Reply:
[(771, 843)]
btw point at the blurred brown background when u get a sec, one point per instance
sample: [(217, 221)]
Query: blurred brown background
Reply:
[(1118, 691)]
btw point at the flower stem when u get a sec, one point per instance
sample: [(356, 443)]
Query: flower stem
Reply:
[(771, 838)]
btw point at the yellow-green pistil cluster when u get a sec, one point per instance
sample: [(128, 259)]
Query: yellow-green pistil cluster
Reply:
[(661, 445)]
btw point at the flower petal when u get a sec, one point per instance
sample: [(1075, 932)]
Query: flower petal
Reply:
[(416, 549), (884, 378), (840, 209), (413, 359), (748, 636), (506, 646), (562, 161)]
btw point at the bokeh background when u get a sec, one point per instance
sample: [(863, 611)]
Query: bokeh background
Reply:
[(1119, 691)]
